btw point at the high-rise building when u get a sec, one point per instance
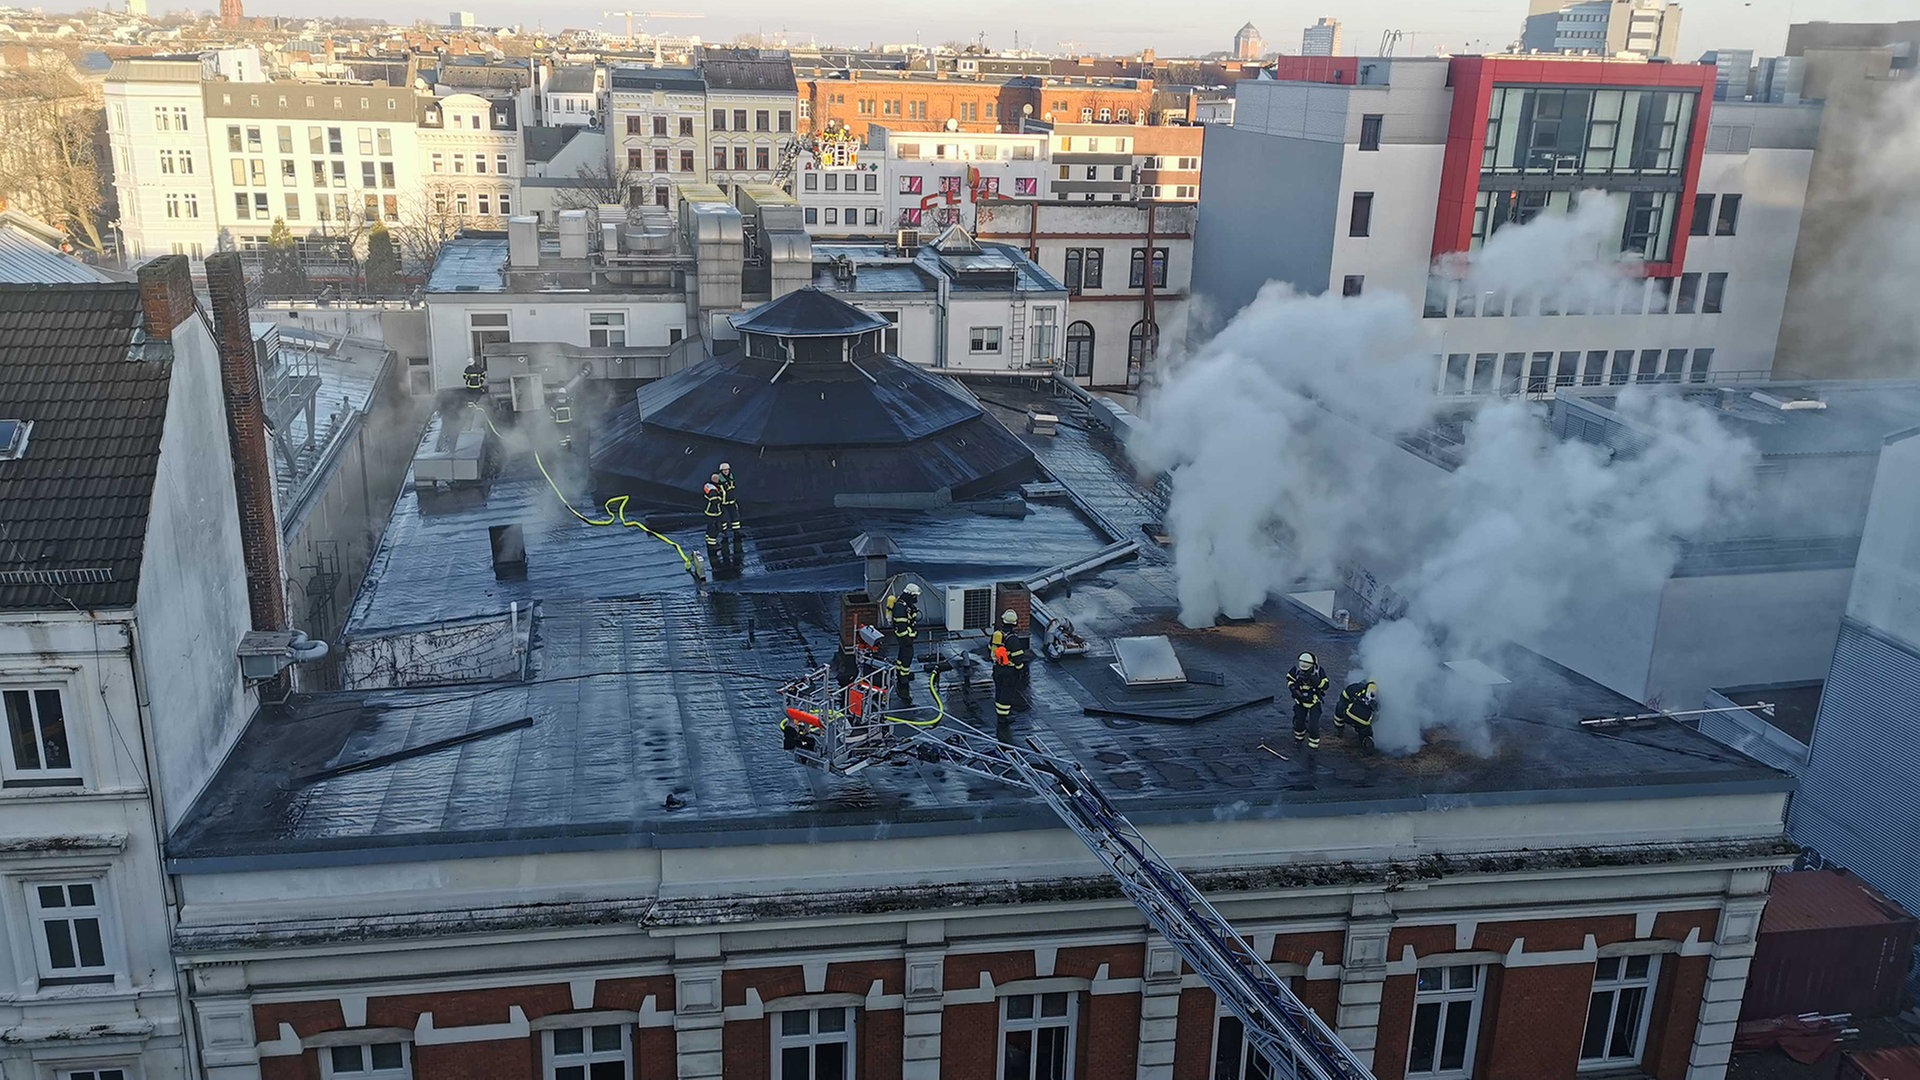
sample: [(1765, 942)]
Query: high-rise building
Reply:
[(137, 8), (1712, 216), (1649, 28), (1247, 43), (1322, 38), (460, 20), (231, 13)]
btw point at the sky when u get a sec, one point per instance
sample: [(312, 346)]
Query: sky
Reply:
[(1104, 27)]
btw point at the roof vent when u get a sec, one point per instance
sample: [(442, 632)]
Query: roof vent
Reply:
[(13, 438), (1785, 402)]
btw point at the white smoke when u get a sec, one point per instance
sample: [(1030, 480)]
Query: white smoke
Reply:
[(1278, 437)]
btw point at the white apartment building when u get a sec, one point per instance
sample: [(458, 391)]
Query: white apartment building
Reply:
[(656, 131), (1128, 272), (572, 95), (1358, 187), (201, 164), (119, 688), (474, 158), (924, 180), (752, 102)]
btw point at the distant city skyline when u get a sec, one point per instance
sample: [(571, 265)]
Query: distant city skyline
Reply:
[(1201, 27)]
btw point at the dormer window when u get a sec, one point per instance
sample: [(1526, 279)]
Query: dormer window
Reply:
[(13, 438)]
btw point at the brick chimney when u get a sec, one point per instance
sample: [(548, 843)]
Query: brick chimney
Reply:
[(166, 295), (247, 437)]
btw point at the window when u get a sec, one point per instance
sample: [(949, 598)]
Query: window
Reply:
[(659, 127), (1510, 373), (762, 158), (1617, 1011), (910, 185), (1649, 365), (366, 174), (686, 161), (786, 120), (378, 1061), (720, 157), (506, 204), (70, 940), (813, 1044), (1702, 215), (1143, 340), (810, 182), (335, 144), (1539, 371), (633, 125), (719, 120), (595, 1053), (1360, 221), (812, 216), (1046, 323), (1079, 360), (384, 140), (762, 120), (659, 161), (173, 205), (1702, 364), (233, 138), (241, 207), (488, 328), (38, 752), (739, 119), (293, 207), (1715, 297), (1370, 131), (1036, 1036), (1085, 268), (93, 1074), (480, 163), (439, 162), (1684, 300), (872, 216), (1728, 219), (500, 164), (1455, 380), (982, 339), (833, 215), (1352, 284), (1136, 272), (1119, 172), (740, 157)]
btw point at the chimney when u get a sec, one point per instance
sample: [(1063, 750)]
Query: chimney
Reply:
[(874, 549), (247, 438), (1013, 594), (166, 295)]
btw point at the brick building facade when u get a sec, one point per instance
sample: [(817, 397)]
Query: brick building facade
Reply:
[(904, 101)]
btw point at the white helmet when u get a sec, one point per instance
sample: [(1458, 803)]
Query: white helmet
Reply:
[(1305, 662), (911, 589), (1009, 618), (724, 467)]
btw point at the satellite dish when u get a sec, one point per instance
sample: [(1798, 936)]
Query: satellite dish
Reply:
[(1027, 109), (952, 124), (1048, 118)]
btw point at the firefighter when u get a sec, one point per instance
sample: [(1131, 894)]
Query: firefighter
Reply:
[(1009, 648), (715, 498), (1357, 705), (475, 377), (903, 610), (1307, 682), (728, 501)]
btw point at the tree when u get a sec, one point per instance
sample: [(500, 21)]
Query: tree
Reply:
[(593, 186), (383, 260), (51, 151), (283, 274)]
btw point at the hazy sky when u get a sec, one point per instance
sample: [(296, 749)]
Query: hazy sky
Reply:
[(1185, 27)]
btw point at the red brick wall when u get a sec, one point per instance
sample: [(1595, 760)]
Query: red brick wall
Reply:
[(1554, 935), (246, 434), (1676, 1016), (746, 1046), (1542, 1014), (969, 1040), (1396, 1026), (502, 1059), (882, 1044), (307, 1018), (656, 1054), (1109, 1039), (1193, 1041), (1322, 996), (465, 1008), (303, 1066)]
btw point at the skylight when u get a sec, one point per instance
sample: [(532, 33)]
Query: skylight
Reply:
[(13, 438)]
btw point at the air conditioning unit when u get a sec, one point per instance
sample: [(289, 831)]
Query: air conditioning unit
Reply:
[(907, 239), (969, 607)]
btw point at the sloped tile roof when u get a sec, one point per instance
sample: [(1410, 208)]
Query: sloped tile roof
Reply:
[(73, 507)]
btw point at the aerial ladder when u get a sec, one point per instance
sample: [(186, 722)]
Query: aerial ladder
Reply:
[(840, 722)]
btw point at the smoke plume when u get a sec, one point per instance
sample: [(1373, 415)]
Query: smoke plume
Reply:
[(1278, 437)]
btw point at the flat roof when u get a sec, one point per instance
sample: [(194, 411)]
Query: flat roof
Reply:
[(1857, 417), (650, 718), (879, 267)]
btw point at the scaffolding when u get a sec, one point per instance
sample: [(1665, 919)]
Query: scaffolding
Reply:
[(839, 718)]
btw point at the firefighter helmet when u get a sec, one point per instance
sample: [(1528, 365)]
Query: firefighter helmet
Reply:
[(911, 589), (1009, 618), (1373, 691), (724, 467), (1305, 663)]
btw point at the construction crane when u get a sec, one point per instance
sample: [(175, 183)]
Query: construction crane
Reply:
[(632, 15), (843, 725)]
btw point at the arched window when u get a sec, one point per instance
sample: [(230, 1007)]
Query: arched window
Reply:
[(1080, 350), (1142, 341)]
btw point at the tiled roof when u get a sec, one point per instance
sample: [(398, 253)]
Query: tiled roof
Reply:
[(76, 500)]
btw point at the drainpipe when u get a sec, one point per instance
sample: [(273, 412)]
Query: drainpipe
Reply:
[(1151, 338)]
